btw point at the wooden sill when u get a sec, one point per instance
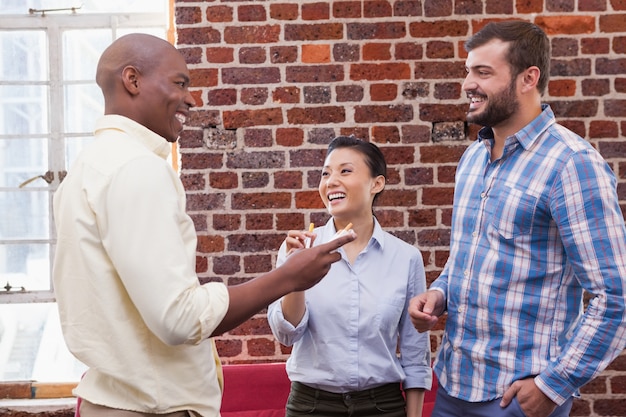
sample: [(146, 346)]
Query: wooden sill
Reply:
[(36, 390)]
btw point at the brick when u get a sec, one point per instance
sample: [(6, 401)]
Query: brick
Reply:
[(407, 8), (399, 155), (499, 6), (197, 36), (316, 53), (383, 114), (529, 6), (415, 134), (314, 73), (202, 264), (575, 126), (580, 408), (192, 55), (261, 347), (284, 11), (255, 160), (193, 182), (442, 112), (255, 179), (611, 150), (596, 87), (286, 95), (317, 94), (258, 138), (222, 97), (385, 134), (288, 180), (437, 196), (254, 55), (619, 44), (564, 47), (408, 50), (359, 132), (570, 67), (377, 51), (316, 115), (226, 222), (570, 25), (390, 218), (313, 32), (383, 92), (251, 13), (592, 5), (201, 160), (254, 96), (441, 153), (345, 93), (307, 157), (220, 55), (187, 15), (615, 108), (439, 50), (289, 137), (247, 201), (448, 131), (609, 407), (562, 88), (252, 34), (308, 200), (203, 77), (289, 221), (439, 70), (582, 108), (190, 139), (433, 238), (259, 221), (343, 52), (412, 90), (418, 176), (560, 5), (445, 174), (227, 348), (283, 54), (387, 30), (203, 202), (226, 265), (614, 22), (210, 244), (398, 198), (217, 14), (223, 180), (611, 66), (423, 218), (439, 28), (245, 118), (437, 8), (315, 11), (447, 91), (595, 46), (468, 7), (347, 9), (377, 8), (375, 72), (258, 75), (620, 85)]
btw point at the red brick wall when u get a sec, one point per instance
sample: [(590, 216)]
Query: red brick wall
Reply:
[(275, 80)]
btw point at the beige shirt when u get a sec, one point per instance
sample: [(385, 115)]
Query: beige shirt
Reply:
[(124, 275)]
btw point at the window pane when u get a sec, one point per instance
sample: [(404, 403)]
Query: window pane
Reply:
[(23, 109), (27, 266), (24, 215), (32, 347), (82, 50), (83, 106), (24, 56), (22, 159)]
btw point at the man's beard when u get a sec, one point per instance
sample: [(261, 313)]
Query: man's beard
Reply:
[(499, 108)]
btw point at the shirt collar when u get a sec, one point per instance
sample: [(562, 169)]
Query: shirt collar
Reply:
[(155, 143)]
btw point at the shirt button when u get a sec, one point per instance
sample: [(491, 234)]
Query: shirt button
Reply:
[(475, 234), (466, 273), (461, 309), (483, 195)]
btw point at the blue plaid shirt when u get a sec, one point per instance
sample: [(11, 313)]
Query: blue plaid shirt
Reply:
[(530, 232)]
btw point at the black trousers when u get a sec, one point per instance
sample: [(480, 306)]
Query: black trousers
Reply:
[(387, 400)]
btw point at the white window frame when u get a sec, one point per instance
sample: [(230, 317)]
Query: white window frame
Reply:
[(54, 25)]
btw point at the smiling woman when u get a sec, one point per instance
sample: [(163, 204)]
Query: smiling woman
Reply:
[(48, 104)]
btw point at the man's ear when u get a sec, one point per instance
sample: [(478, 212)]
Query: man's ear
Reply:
[(530, 78), (130, 79)]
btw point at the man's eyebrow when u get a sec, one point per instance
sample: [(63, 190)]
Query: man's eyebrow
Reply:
[(477, 67)]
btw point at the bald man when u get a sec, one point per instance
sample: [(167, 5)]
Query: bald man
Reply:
[(130, 303)]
